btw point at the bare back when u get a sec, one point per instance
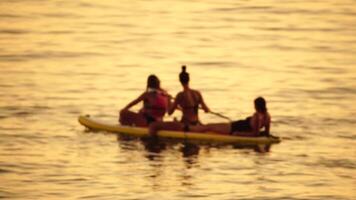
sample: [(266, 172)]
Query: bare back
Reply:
[(155, 104), (189, 101), (260, 120)]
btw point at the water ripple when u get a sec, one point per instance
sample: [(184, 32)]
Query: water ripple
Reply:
[(48, 55), (11, 16), (337, 163), (297, 54), (14, 31), (4, 171), (59, 15)]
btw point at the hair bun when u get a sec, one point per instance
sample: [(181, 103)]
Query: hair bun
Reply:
[(184, 76), (184, 68)]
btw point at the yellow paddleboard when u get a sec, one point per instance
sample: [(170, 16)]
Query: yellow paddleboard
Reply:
[(93, 124)]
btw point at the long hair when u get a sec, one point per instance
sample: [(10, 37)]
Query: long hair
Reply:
[(153, 82), (260, 105), (184, 76)]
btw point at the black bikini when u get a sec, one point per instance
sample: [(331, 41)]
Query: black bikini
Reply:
[(149, 119), (241, 125)]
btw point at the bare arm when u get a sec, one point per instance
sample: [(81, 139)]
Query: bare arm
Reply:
[(169, 99), (169, 102), (136, 101), (173, 106), (255, 125), (268, 122), (203, 105)]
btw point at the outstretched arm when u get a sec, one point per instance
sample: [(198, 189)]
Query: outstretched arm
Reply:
[(268, 123), (203, 105), (136, 101)]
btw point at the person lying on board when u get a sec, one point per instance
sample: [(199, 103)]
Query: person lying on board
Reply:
[(155, 104), (250, 126)]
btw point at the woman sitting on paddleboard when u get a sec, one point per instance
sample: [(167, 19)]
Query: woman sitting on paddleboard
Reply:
[(155, 104)]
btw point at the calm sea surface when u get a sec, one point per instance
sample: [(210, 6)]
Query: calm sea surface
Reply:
[(62, 58)]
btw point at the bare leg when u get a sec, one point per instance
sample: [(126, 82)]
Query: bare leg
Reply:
[(245, 134), (221, 128), (131, 118), (171, 126), (225, 128)]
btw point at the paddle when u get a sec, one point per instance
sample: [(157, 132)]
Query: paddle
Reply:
[(211, 112), (220, 115), (216, 114)]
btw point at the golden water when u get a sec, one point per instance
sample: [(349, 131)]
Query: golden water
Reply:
[(62, 58)]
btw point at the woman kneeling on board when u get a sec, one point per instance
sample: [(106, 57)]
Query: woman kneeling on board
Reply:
[(155, 104), (251, 126)]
